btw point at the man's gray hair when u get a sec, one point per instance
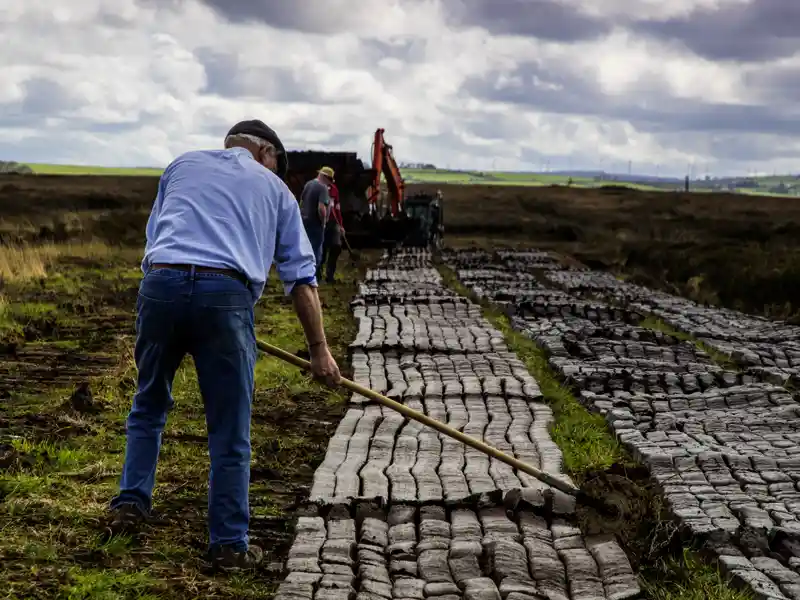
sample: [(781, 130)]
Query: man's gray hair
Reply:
[(231, 140)]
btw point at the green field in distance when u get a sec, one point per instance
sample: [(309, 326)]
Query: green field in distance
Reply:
[(759, 186), (45, 169), (409, 175)]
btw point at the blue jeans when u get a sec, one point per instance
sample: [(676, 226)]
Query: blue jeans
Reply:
[(209, 316), (316, 235)]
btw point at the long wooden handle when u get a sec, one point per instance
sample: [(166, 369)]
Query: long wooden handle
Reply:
[(426, 420)]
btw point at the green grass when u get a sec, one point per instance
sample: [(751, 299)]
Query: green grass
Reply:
[(444, 176), (687, 577), (90, 584), (447, 176), (718, 357), (457, 177), (46, 169), (61, 467)]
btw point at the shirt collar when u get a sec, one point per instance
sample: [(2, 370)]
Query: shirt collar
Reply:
[(239, 151)]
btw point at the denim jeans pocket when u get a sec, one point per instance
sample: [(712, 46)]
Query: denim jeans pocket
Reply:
[(224, 331), (155, 319), (163, 285)]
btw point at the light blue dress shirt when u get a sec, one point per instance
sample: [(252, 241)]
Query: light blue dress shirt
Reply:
[(220, 208)]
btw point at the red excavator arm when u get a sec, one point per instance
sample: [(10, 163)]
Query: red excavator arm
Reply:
[(383, 162)]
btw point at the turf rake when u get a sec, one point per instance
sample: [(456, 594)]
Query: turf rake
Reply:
[(580, 496)]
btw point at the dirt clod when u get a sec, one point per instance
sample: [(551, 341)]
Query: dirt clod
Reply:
[(82, 400), (641, 525)]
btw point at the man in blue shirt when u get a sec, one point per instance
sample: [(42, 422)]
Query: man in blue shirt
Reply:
[(219, 221)]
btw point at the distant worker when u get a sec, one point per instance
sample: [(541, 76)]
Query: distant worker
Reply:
[(436, 220), (435, 233), (334, 232), (314, 201), (220, 219)]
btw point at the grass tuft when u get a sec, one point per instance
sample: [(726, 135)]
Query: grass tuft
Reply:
[(722, 359), (104, 585), (26, 262), (687, 577), (61, 468)]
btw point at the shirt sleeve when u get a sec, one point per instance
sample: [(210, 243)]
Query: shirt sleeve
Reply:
[(152, 220), (294, 257)]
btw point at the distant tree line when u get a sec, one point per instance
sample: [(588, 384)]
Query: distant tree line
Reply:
[(409, 165), (9, 166)]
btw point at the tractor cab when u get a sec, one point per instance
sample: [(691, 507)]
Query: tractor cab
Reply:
[(424, 213)]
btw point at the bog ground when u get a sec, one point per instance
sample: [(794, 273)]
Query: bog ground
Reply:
[(625, 388)]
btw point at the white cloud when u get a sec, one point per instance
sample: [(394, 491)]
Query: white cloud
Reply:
[(124, 83)]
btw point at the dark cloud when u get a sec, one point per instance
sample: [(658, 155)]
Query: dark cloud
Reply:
[(445, 143), (778, 85), (534, 84), (649, 108), (544, 19), (113, 127), (308, 16), (730, 148), (494, 126), (227, 78), (222, 72), (112, 20), (38, 148), (45, 97), (406, 50), (72, 144), (333, 142), (742, 149), (67, 146), (759, 30), (212, 124)]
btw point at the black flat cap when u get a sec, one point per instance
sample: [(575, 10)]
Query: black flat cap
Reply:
[(260, 129)]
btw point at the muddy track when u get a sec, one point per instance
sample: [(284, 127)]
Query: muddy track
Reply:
[(76, 338), (399, 511), (31, 370), (721, 443)]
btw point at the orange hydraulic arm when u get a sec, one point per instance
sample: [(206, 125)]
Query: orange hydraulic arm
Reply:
[(383, 162)]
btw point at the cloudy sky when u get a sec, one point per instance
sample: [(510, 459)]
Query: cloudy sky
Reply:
[(510, 84)]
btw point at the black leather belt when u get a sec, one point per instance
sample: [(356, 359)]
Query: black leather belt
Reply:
[(238, 275)]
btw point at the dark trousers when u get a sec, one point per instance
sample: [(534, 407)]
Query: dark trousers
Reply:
[(209, 316), (316, 235), (331, 250), (330, 255)]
